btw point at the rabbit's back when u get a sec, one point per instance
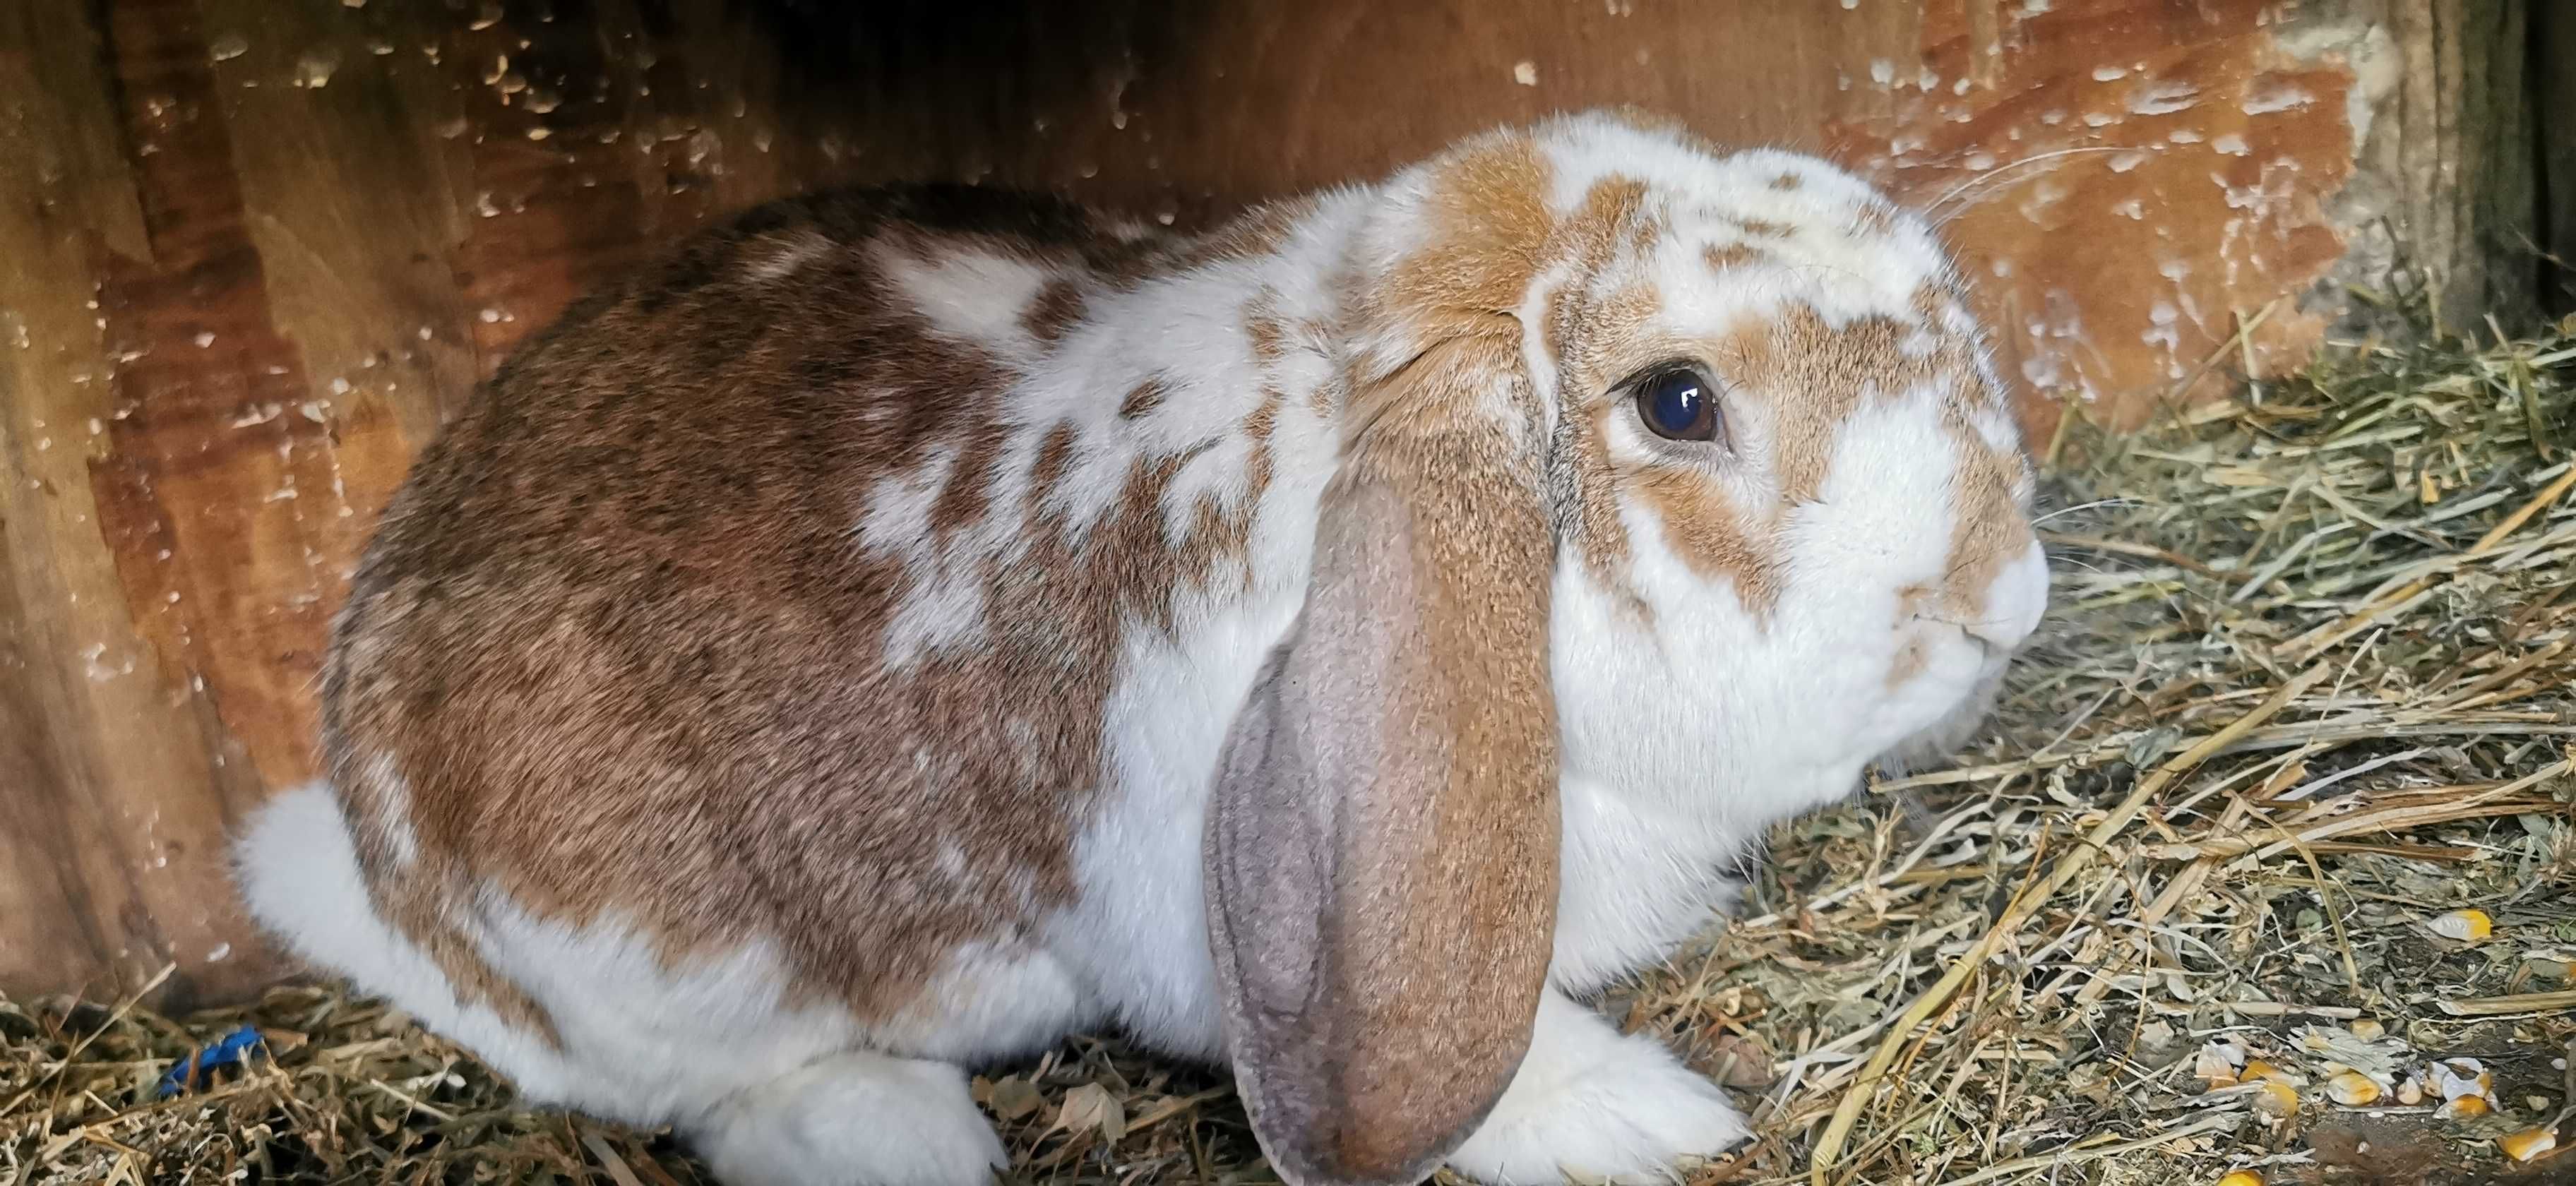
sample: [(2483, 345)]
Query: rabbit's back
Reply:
[(823, 592)]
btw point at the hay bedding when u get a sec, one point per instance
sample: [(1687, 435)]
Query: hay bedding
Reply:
[(2304, 693)]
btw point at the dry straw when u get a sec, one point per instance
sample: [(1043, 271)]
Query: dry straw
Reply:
[(2305, 692)]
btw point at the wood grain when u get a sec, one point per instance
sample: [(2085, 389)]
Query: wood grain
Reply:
[(117, 770), (257, 250)]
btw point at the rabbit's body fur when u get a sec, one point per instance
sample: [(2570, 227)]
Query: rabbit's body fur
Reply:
[(804, 672)]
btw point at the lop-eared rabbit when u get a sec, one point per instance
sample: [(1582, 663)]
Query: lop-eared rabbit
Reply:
[(902, 628)]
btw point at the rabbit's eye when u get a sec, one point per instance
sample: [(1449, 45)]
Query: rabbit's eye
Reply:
[(1679, 403)]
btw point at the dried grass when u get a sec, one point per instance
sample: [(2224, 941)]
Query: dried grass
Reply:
[(2306, 688)]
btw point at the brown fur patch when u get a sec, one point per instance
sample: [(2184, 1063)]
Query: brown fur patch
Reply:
[(1910, 660), (969, 487), (1816, 376), (416, 907), (1262, 328), (1599, 536), (1787, 181), (1056, 307), (1489, 226), (1913, 655), (1592, 233), (1141, 402), (1326, 398), (1733, 255), (1712, 535), (1659, 123), (1055, 453), (1217, 533), (1647, 119)]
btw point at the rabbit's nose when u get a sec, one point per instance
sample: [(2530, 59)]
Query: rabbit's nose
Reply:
[(1995, 605)]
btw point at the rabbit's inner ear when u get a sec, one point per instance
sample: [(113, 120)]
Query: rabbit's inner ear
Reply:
[(1382, 846)]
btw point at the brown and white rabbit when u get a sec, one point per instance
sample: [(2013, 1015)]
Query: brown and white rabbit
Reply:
[(903, 628)]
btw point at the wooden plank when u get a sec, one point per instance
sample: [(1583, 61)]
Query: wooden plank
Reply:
[(114, 774), (2470, 199), (2454, 148)]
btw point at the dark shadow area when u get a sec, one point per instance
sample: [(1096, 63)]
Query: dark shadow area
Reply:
[(990, 66), (2552, 70)]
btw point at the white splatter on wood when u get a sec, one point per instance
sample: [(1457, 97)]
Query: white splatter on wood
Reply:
[(2276, 96), (2162, 98)]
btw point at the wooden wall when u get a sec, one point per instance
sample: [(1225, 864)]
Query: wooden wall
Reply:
[(252, 251), (2552, 65)]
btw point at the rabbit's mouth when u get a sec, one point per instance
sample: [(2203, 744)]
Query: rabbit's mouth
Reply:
[(2012, 608), (1937, 742)]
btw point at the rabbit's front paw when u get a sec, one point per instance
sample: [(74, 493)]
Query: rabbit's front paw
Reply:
[(853, 1119), (1592, 1103)]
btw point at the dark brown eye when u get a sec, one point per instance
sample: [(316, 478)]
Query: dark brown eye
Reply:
[(1680, 404)]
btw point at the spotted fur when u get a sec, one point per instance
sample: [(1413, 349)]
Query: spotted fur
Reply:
[(809, 667)]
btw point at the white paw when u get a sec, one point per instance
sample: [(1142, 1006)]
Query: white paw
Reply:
[(1592, 1103), (853, 1120)]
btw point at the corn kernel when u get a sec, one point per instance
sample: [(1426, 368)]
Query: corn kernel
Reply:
[(2276, 1100), (2465, 926), (2259, 1069), (2353, 1089), (2463, 1108), (2528, 1144)]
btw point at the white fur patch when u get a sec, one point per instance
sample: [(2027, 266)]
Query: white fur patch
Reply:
[(897, 519), (790, 256), (990, 1002), (646, 1042), (386, 782), (1139, 933), (970, 296), (1996, 428), (945, 608), (2017, 598), (945, 604), (1591, 1104)]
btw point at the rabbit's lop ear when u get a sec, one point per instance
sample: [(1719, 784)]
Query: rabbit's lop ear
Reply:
[(1382, 848)]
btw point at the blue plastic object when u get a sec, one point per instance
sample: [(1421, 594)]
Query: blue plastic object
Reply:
[(233, 1049)]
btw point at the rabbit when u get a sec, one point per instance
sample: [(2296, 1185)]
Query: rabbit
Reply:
[(902, 628)]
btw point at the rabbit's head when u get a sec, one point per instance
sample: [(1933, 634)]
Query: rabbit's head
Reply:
[(1670, 471)]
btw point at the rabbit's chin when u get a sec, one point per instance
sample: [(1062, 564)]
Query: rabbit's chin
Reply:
[(1937, 743)]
